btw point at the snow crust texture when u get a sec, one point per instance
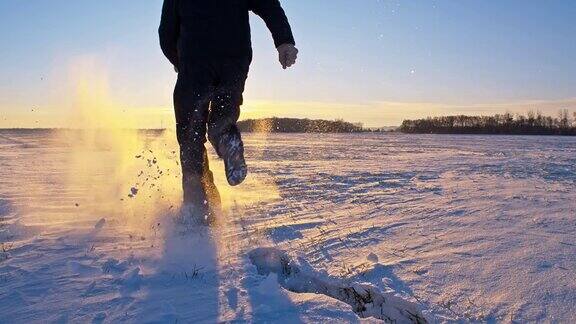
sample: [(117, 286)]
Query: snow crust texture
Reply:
[(351, 228)]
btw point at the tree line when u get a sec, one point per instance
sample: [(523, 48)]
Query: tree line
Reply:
[(533, 123), (297, 125)]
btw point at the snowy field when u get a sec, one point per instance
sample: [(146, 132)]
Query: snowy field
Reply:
[(327, 228)]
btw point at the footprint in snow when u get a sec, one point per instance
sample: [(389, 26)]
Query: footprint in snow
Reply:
[(100, 224), (372, 258)]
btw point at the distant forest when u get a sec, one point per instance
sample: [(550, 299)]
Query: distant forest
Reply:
[(533, 123), (530, 124), (296, 125)]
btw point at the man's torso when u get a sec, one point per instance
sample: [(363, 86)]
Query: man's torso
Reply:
[(213, 28)]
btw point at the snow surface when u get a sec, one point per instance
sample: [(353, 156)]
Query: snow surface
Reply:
[(327, 228)]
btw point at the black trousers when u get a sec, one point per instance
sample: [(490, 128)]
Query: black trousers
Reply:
[(207, 101)]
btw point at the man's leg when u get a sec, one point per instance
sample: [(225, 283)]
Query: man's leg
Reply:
[(191, 103), (223, 132)]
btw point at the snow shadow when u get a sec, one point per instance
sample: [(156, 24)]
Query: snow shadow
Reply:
[(188, 283), (365, 299), (184, 283)]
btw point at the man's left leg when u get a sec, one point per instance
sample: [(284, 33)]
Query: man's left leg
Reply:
[(223, 132), (192, 97)]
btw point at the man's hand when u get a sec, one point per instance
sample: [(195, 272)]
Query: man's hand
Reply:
[(287, 54)]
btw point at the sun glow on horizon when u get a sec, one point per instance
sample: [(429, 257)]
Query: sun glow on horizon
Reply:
[(87, 91)]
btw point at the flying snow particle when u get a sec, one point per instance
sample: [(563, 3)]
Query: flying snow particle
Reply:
[(372, 257)]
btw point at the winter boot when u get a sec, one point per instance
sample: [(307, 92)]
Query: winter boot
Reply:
[(231, 150)]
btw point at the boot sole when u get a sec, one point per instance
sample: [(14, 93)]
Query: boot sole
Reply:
[(236, 175)]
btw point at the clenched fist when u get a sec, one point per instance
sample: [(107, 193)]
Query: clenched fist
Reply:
[(287, 54)]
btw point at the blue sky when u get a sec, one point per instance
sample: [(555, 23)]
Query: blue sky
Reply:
[(373, 61)]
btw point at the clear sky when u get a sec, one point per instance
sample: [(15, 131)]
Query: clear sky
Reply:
[(370, 61)]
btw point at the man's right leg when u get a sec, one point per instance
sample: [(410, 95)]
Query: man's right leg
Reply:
[(223, 132)]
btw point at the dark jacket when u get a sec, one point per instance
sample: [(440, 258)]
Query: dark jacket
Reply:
[(195, 29)]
